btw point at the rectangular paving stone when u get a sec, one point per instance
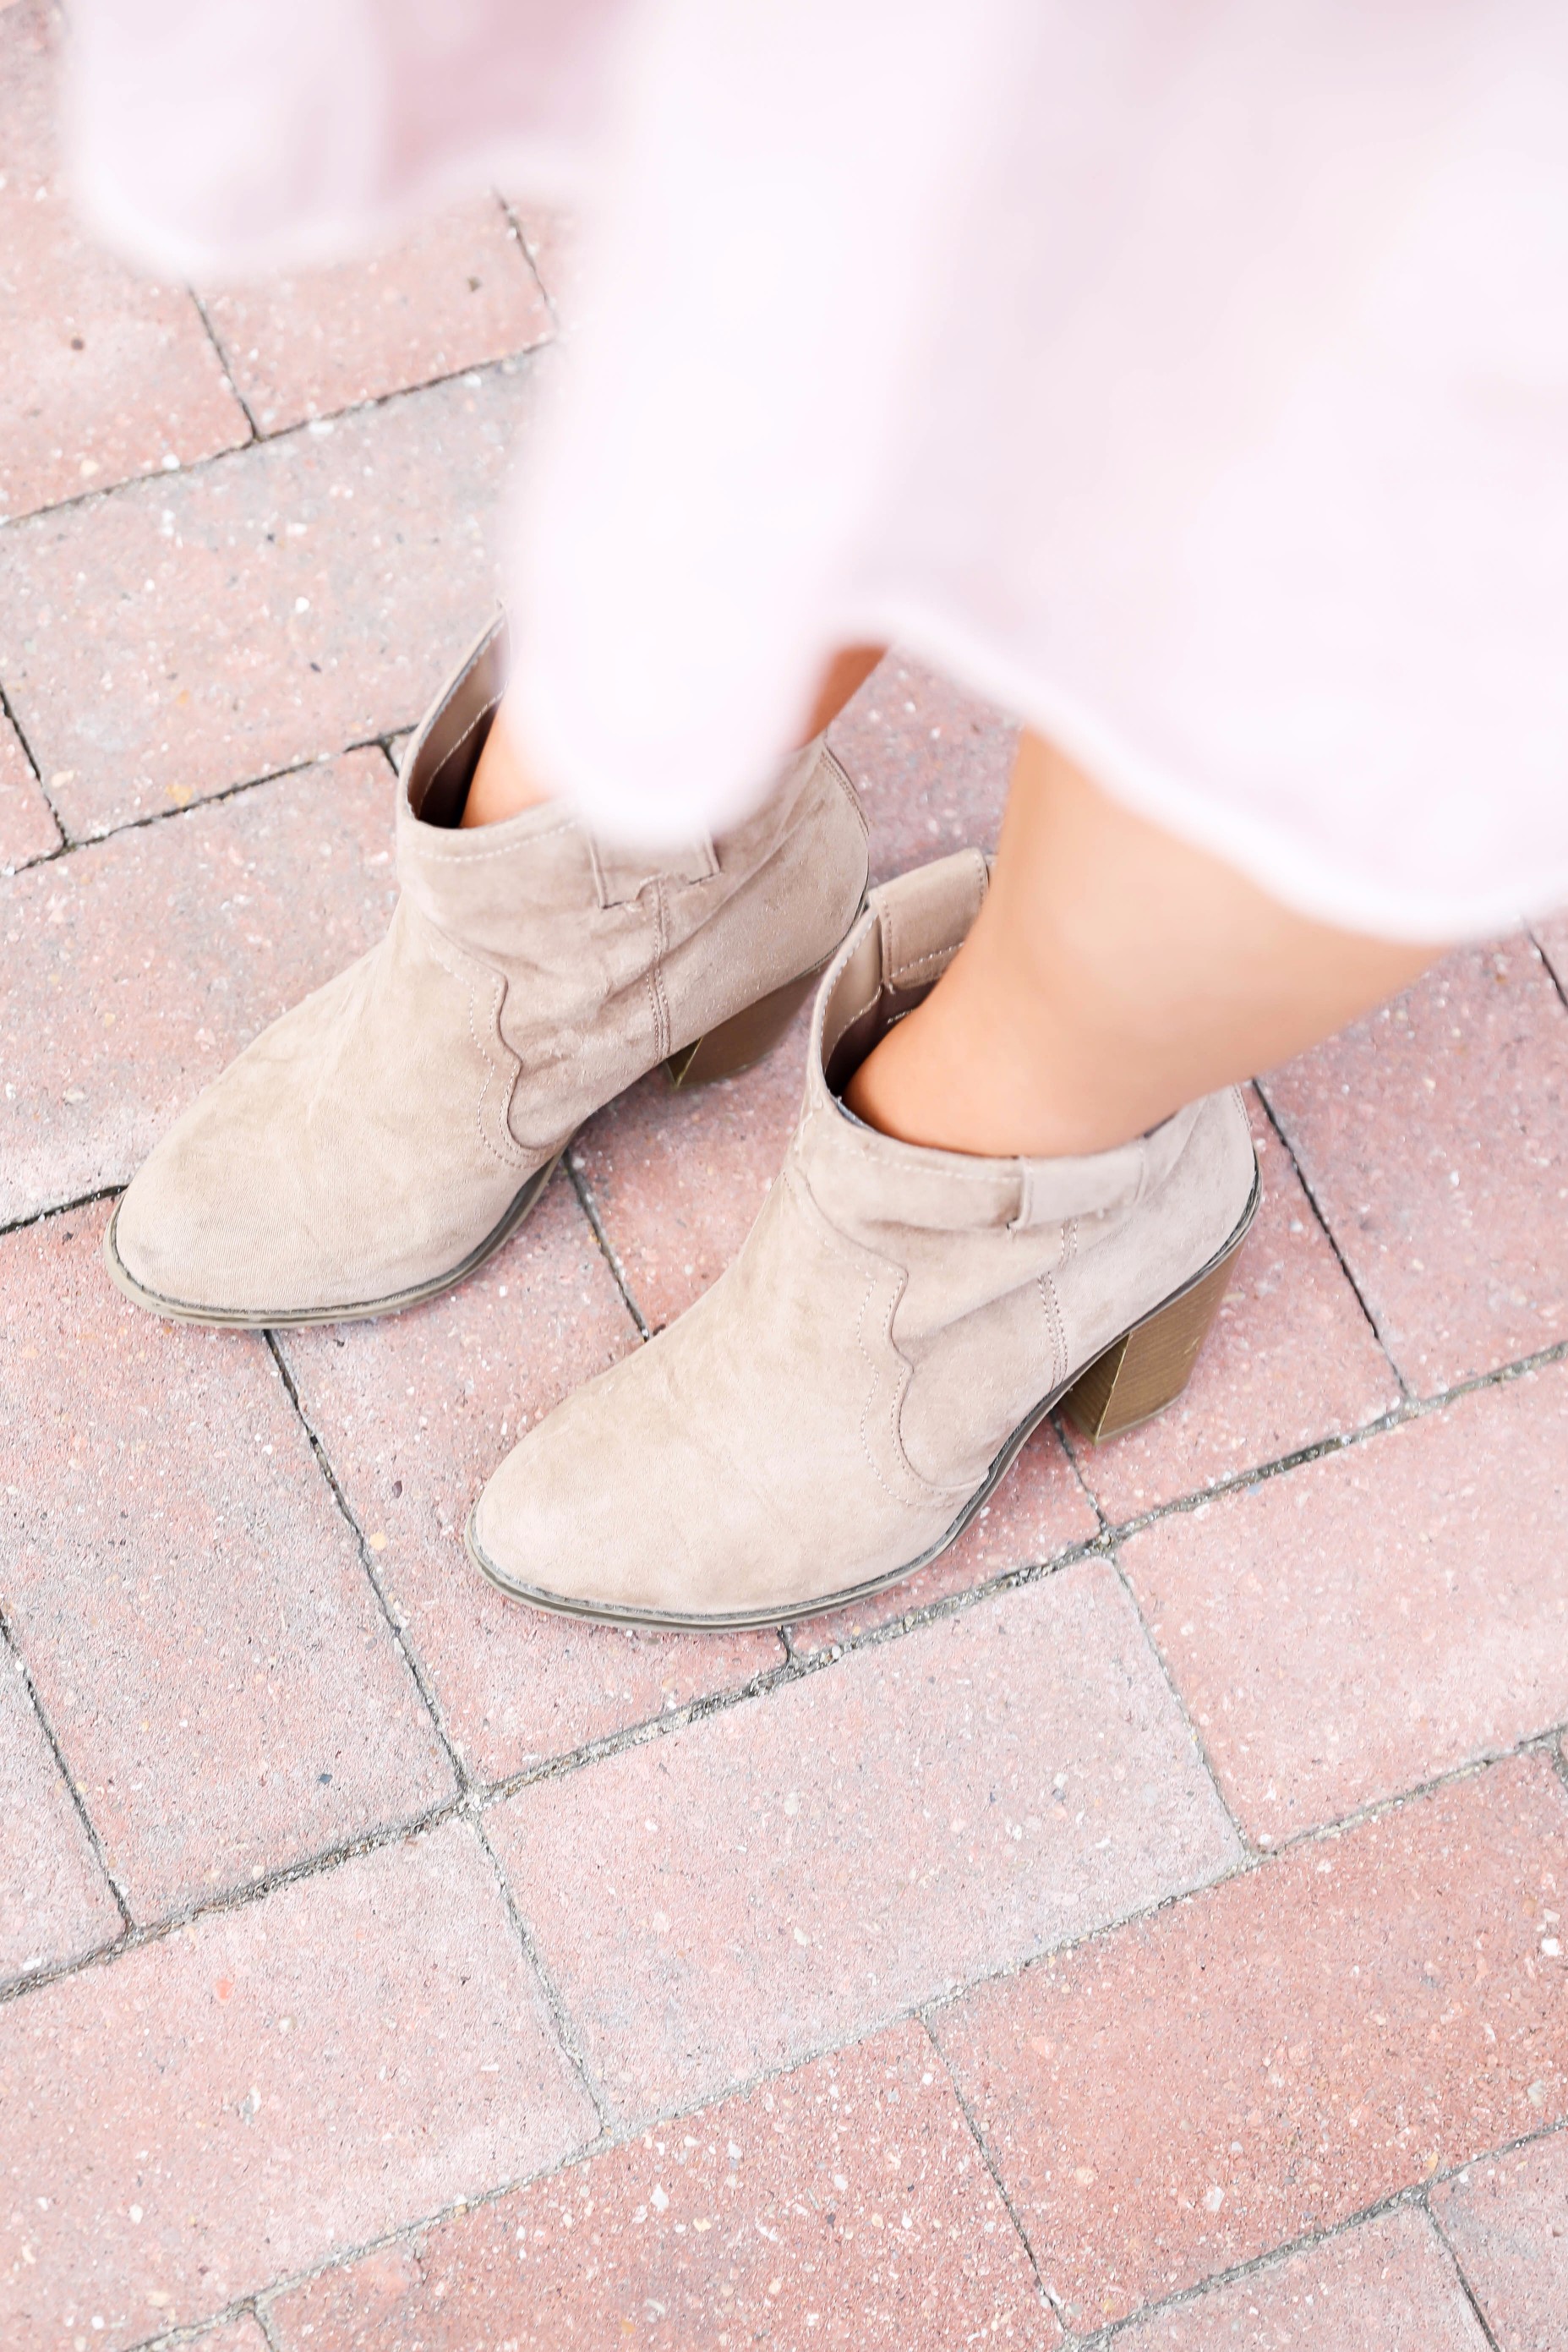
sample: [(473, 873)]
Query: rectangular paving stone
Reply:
[(214, 626), (105, 374), (1506, 2219), (54, 1900), (137, 968), (1280, 2053), (27, 828), (225, 1689), (459, 292), (1434, 1136), (1386, 2287), (1290, 1359), (930, 761), (792, 1870), (269, 2085), (846, 2204), (1378, 1617), (414, 1412)]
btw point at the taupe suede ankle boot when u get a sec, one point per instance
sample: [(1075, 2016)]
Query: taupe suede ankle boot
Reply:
[(380, 1139), (832, 1412)]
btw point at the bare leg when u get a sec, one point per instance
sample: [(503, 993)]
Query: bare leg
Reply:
[(1112, 974), (505, 784)]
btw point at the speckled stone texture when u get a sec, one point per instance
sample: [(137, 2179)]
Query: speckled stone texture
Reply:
[(54, 1900), (135, 969), (231, 2336), (1371, 1620), (845, 2204), (790, 1872), (242, 2098), (458, 291), (1507, 2221), (414, 1413), (28, 829), (209, 628), (1387, 2286), (225, 1689), (1290, 1359), (930, 762), (105, 375), (1434, 1138), (1280, 2053)]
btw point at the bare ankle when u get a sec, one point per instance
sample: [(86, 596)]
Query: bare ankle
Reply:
[(503, 783)]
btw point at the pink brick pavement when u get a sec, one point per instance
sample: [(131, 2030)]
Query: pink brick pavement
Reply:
[(988, 1946)]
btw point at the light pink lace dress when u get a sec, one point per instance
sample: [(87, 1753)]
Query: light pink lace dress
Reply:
[(1190, 375)]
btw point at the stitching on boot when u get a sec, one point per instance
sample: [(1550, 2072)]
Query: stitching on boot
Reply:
[(1053, 1304), (516, 1156), (923, 1486), (655, 978), (477, 856), (841, 776)]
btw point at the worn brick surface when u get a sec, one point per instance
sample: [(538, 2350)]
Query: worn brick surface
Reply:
[(54, 1902), (105, 374), (28, 830), (1507, 2221), (846, 2204), (1281, 2051), (1387, 2286), (1290, 1359), (786, 1874), (231, 2336), (238, 2100), (457, 292), (414, 1412), (224, 1688), (1375, 1618), (1434, 1138), (1037, 1512), (930, 762), (1551, 938), (550, 239), (136, 969), (210, 627)]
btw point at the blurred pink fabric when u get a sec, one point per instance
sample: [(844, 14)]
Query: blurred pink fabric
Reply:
[(1190, 376)]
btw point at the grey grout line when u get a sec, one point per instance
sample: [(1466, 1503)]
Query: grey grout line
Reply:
[(61, 1209), (516, 225), (1450, 2252), (411, 1658), (590, 1210), (1289, 1149), (561, 2019), (8, 709), (264, 2322), (1163, 1668), (241, 402), (1559, 984), (13, 1661), (983, 2147)]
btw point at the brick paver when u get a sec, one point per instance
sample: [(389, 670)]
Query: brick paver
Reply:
[(1372, 1619), (846, 2204), (414, 1412), (1507, 2221), (224, 1688), (28, 829), (214, 626), (1551, 938), (1387, 2286), (137, 968), (54, 1901), (457, 292), (105, 375), (277, 2083), (930, 762), (232, 2336), (1434, 1138), (1281, 2051), (787, 1872), (1291, 1359)]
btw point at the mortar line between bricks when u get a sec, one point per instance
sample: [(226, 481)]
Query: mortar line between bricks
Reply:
[(1047, 2294), (561, 2018), (61, 1209), (406, 1650), (44, 793), (1289, 1149), (1162, 1667), (1450, 2253), (509, 363), (1560, 985), (584, 1191), (10, 1649), (241, 402), (263, 2319), (515, 225)]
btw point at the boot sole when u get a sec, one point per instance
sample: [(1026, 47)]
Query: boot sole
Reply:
[(720, 1052), (1140, 1373)]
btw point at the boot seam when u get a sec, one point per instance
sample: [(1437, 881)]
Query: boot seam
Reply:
[(465, 980), (453, 749), (478, 857), (652, 979)]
